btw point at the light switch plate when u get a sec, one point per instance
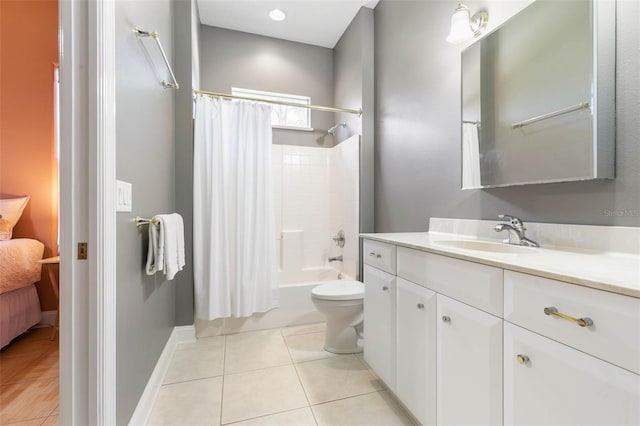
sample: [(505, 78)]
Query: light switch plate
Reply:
[(123, 196)]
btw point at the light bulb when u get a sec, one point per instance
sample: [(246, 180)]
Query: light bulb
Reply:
[(277, 15)]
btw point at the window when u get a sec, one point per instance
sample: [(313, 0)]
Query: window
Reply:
[(282, 116)]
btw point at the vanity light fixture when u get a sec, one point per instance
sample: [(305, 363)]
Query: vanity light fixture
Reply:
[(277, 15), (465, 27)]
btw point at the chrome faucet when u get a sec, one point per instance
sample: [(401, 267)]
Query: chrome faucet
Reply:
[(516, 227), (334, 259)]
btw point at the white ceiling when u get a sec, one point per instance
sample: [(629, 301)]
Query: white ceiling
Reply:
[(317, 22)]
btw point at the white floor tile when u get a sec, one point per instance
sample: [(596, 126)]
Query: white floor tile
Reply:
[(197, 360), (299, 417), (261, 392), (307, 347), (304, 329), (360, 356), (373, 409), (334, 378), (255, 350), (197, 402)]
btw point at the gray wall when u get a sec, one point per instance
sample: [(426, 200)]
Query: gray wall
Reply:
[(184, 38), (353, 76), (145, 157), (236, 59), (418, 129)]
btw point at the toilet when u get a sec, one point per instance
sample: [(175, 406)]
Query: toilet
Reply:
[(341, 302)]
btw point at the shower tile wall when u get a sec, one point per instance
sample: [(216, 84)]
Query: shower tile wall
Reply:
[(344, 196), (301, 199), (315, 194)]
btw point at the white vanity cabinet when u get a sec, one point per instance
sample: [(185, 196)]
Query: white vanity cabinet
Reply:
[(548, 383), (379, 323), (469, 366), (460, 342), (574, 369), (416, 350)]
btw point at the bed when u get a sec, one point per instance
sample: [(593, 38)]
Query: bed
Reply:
[(19, 271)]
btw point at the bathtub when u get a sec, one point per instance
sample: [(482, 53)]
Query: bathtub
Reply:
[(295, 308)]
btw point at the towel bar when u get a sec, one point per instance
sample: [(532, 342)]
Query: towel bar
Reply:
[(139, 221), (142, 33), (581, 105)]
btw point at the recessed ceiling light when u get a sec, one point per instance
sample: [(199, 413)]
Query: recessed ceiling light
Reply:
[(277, 15)]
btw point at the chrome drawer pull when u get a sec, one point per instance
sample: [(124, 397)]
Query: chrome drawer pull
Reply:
[(582, 322), (379, 256), (446, 319), (420, 305), (522, 359), (385, 288)]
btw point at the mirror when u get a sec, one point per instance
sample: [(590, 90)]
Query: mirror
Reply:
[(538, 97)]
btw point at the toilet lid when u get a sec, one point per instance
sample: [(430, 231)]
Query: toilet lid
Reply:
[(339, 290)]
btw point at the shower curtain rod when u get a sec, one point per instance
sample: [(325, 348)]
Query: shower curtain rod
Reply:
[(358, 112)]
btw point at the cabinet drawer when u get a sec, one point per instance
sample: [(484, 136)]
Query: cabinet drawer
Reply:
[(380, 255), (614, 335), (472, 283), (548, 383)]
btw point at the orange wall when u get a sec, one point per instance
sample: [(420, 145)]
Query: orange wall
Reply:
[(28, 52)]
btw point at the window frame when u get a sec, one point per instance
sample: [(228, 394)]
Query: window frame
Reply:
[(284, 97)]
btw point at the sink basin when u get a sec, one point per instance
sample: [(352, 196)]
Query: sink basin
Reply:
[(485, 246)]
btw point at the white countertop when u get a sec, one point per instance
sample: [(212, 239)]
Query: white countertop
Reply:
[(608, 271)]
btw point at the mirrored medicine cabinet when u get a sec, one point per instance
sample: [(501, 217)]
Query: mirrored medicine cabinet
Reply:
[(538, 97)]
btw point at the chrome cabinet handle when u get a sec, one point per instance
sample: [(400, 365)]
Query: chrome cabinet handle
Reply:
[(379, 256), (420, 305), (446, 319), (522, 359), (582, 322), (385, 288)]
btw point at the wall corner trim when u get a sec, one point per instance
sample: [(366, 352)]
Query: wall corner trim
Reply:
[(179, 335)]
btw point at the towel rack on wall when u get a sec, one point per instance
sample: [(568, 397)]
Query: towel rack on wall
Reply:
[(581, 105), (141, 34), (139, 221)]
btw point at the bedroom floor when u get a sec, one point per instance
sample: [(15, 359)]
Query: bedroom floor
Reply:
[(29, 380), (272, 377)]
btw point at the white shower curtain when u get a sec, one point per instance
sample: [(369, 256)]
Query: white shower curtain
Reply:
[(471, 177), (233, 246)]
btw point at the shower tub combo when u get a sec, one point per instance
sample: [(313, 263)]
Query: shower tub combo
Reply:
[(296, 307), (315, 195)]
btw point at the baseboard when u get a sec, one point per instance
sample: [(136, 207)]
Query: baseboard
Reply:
[(47, 320), (180, 334)]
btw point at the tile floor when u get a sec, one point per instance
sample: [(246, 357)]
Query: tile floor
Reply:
[(272, 377), (29, 380)]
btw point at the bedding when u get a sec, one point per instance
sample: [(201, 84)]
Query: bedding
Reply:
[(10, 211), (18, 263), (19, 311)]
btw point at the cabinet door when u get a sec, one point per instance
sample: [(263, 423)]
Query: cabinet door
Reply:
[(416, 350), (548, 383), (379, 323), (469, 365)]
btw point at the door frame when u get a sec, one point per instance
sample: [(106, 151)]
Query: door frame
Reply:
[(87, 212)]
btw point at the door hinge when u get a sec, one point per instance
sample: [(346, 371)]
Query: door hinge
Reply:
[(82, 251)]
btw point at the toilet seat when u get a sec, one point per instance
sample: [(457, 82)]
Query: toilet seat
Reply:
[(339, 290)]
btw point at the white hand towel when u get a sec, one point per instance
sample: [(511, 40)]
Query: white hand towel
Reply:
[(171, 243), (155, 253)]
